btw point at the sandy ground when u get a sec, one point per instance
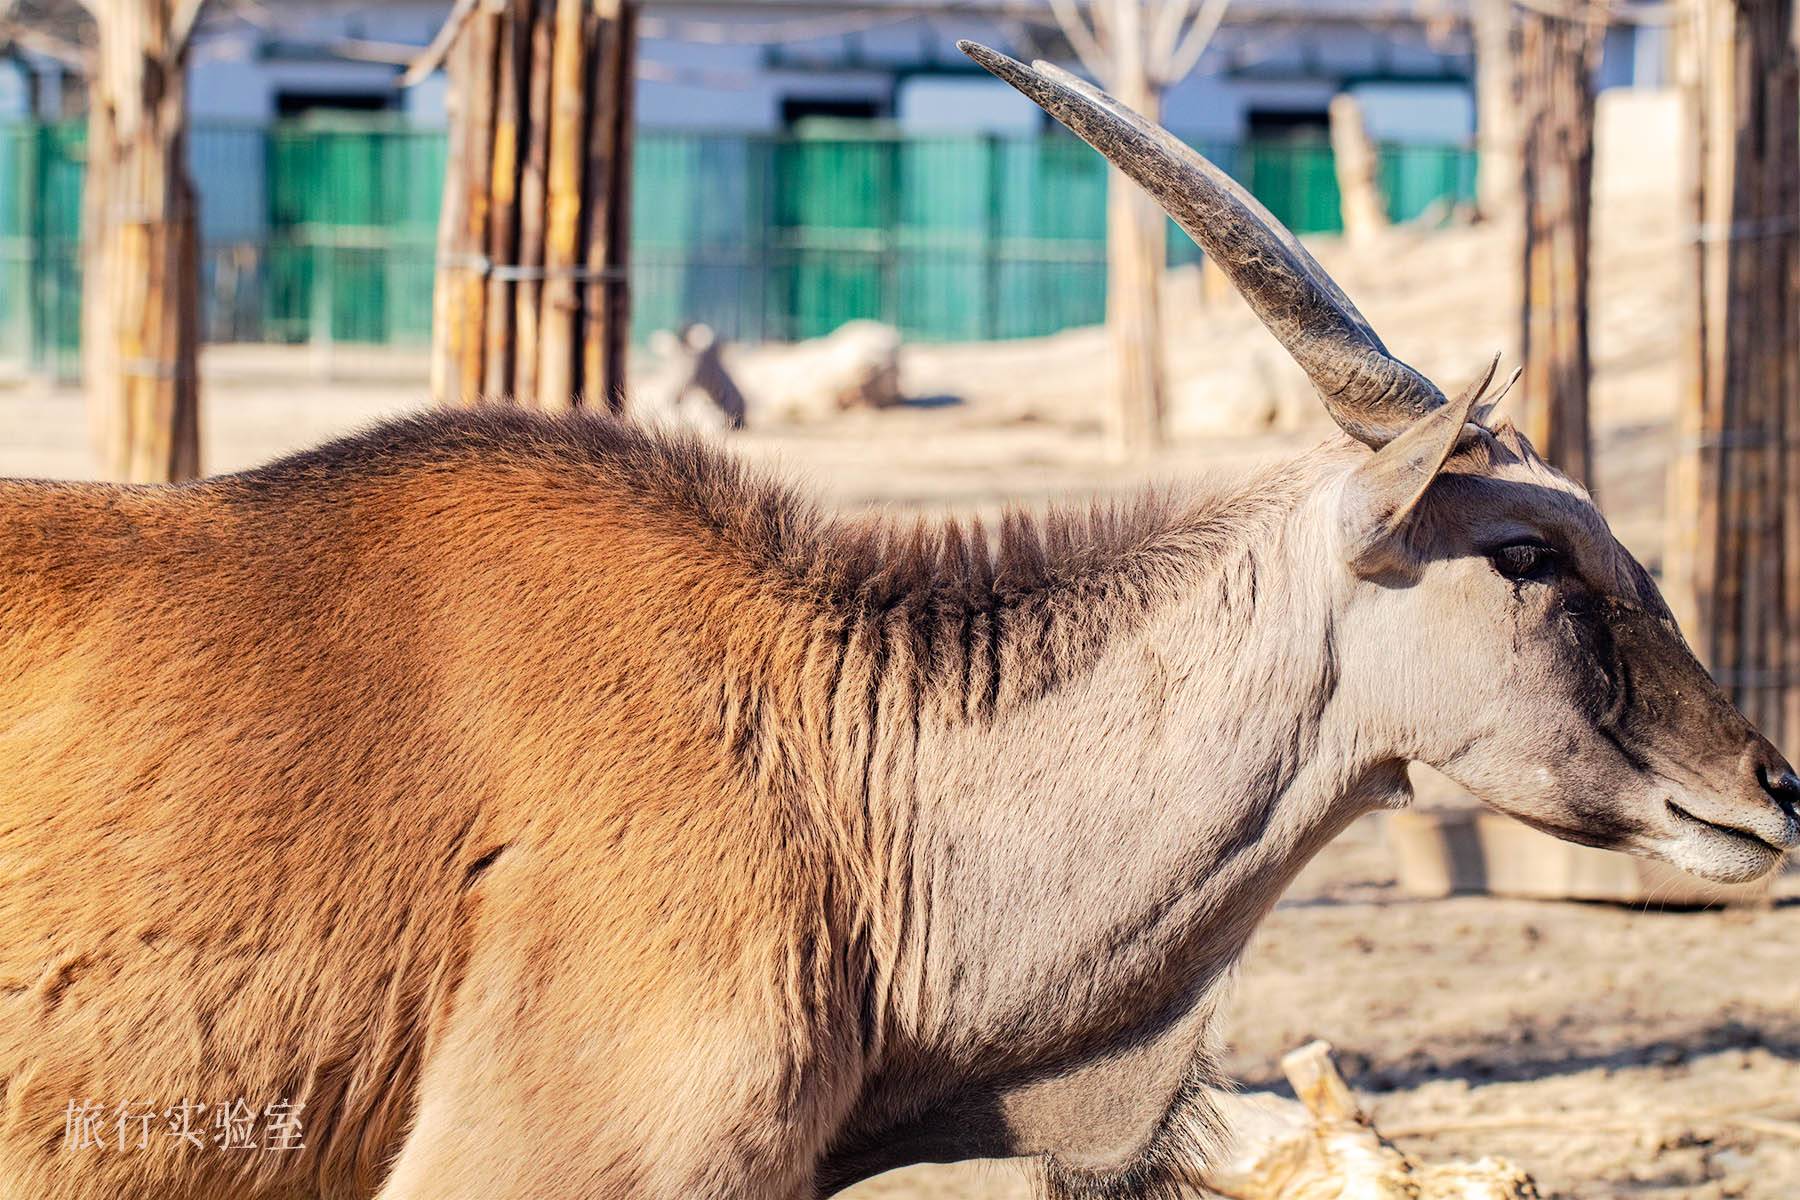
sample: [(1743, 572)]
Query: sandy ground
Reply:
[(1598, 1046)]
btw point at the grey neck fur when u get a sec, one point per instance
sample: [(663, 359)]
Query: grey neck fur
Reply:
[(1075, 878)]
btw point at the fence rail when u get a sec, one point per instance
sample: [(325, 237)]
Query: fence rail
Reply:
[(326, 234)]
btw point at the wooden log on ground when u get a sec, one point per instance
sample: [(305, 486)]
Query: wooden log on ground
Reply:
[(1325, 1148)]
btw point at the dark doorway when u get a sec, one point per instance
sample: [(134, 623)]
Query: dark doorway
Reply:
[(1287, 125), (304, 104), (796, 109)]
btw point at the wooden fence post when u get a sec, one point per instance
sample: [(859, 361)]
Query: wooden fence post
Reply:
[(606, 308), (532, 302), (503, 183), (1733, 554), (1557, 53), (140, 304)]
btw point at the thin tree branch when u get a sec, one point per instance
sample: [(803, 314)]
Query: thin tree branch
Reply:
[(790, 29), (400, 54), (71, 54), (1102, 14), (1164, 35), (370, 50), (1199, 37), (1083, 38), (181, 27), (433, 56)]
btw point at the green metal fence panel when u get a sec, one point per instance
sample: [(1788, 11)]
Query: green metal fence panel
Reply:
[(1296, 181), (40, 245), (229, 167), (352, 232), (1415, 178), (1050, 247), (946, 229), (326, 233), (700, 246), (835, 229), (18, 243), (62, 158)]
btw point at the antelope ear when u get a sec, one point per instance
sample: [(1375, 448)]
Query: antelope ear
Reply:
[(1382, 492)]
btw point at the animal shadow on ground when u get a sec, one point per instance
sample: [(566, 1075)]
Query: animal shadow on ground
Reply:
[(1507, 1058)]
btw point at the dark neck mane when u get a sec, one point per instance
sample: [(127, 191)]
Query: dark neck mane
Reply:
[(995, 615)]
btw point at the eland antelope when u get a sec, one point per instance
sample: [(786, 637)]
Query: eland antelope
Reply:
[(545, 809)]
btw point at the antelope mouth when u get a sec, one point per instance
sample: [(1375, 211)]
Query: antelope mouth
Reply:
[(1722, 853), (1742, 837)]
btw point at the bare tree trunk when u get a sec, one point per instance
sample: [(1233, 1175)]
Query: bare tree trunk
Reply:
[(1134, 260), (1360, 201), (1556, 60), (1733, 561), (1136, 48), (1134, 271), (140, 307), (1496, 108)]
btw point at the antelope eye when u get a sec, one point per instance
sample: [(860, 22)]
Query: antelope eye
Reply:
[(1523, 560)]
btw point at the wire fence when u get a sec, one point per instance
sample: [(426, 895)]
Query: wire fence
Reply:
[(325, 234)]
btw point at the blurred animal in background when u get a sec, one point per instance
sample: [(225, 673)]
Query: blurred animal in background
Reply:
[(696, 355), (704, 382)]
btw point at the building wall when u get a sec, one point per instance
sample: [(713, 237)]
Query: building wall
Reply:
[(14, 90), (911, 72), (905, 69)]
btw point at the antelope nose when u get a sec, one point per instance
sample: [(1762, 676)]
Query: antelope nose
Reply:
[(1781, 785)]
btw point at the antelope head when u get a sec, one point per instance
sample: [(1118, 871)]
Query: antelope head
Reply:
[(1485, 620)]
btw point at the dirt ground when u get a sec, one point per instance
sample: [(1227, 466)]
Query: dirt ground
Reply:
[(1617, 1053)]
